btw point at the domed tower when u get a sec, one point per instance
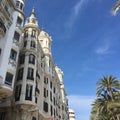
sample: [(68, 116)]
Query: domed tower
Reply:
[(64, 99), (46, 41), (26, 76), (71, 114), (11, 23)]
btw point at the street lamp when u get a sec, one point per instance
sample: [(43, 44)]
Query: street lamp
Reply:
[(37, 112)]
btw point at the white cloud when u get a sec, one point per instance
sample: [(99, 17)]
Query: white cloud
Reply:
[(81, 4), (75, 12), (81, 105), (105, 47)]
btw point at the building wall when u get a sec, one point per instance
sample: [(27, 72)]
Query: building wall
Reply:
[(36, 90), (71, 114), (9, 44)]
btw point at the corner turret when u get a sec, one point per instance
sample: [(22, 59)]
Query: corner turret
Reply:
[(45, 41), (32, 19)]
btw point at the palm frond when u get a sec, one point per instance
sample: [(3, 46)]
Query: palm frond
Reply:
[(116, 8)]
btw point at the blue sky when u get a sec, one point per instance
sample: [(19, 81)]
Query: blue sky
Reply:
[(85, 44)]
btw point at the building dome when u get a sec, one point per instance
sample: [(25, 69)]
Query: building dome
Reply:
[(71, 114), (45, 34), (70, 110)]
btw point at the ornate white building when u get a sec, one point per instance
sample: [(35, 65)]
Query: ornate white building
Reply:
[(31, 85), (71, 114)]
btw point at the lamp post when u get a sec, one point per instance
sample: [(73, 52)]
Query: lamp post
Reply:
[(37, 112)]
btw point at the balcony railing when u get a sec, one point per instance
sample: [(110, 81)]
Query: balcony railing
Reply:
[(8, 83), (30, 78)]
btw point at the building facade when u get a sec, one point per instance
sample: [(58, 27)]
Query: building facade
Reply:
[(71, 114), (31, 85)]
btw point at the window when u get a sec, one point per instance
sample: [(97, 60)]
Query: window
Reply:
[(28, 95), (17, 92), (19, 5), (45, 107), (25, 44), (20, 74), (35, 99), (50, 95), (45, 92), (51, 109), (2, 115), (30, 74), (37, 89), (45, 80), (41, 65), (33, 33), (19, 21), (33, 118), (54, 112), (16, 36), (37, 74), (9, 78), (13, 54), (26, 34), (54, 90), (32, 59), (32, 44), (22, 59), (54, 100), (51, 85), (2, 26)]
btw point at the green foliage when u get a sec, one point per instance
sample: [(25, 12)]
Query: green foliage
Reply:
[(107, 104)]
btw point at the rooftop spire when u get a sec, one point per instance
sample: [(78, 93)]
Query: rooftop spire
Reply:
[(32, 19), (33, 10), (32, 14)]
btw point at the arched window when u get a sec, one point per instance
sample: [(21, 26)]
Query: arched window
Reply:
[(16, 36), (20, 74), (26, 34), (32, 44), (22, 59), (19, 5), (33, 33), (25, 44), (28, 95), (30, 74), (31, 59), (17, 92), (13, 54)]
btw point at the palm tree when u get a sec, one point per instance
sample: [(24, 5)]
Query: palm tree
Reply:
[(107, 86), (116, 7), (100, 109), (107, 104)]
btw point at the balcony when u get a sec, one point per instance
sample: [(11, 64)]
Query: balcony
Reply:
[(5, 90), (2, 29)]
